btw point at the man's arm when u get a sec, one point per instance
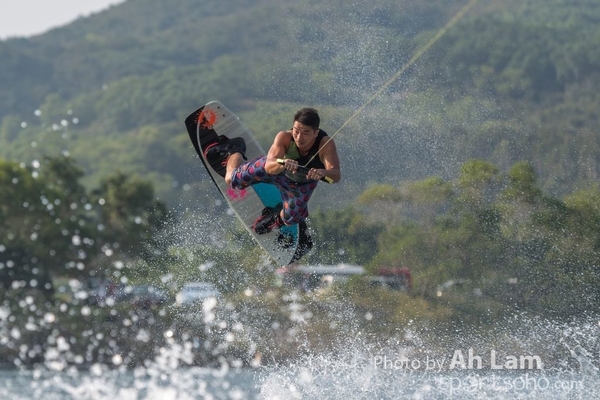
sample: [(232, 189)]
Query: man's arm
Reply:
[(277, 150), (329, 157)]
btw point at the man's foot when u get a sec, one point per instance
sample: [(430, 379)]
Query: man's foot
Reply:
[(305, 243), (269, 220), (218, 153)]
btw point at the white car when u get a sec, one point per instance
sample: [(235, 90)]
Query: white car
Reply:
[(193, 292)]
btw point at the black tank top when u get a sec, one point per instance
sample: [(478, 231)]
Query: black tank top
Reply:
[(293, 153)]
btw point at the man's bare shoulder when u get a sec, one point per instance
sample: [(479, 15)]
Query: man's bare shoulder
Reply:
[(327, 143), (283, 137)]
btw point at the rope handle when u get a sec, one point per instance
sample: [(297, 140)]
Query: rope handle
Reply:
[(305, 170)]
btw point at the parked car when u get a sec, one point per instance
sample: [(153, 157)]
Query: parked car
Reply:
[(147, 296), (105, 292), (193, 292)]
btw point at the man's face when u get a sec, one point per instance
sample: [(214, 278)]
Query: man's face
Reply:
[(304, 135)]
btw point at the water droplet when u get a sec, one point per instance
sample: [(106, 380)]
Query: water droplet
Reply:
[(49, 318), (15, 333), (117, 359), (96, 369)]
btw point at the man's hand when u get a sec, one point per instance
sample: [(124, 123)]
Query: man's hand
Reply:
[(312, 173), (315, 174), (290, 165)]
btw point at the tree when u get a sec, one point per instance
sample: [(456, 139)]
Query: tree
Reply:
[(52, 228), (342, 235), (131, 217), (45, 222)]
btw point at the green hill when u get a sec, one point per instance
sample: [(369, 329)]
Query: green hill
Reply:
[(510, 81)]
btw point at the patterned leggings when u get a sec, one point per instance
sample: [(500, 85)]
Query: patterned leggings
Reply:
[(294, 195)]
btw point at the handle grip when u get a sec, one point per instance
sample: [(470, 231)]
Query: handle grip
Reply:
[(305, 170)]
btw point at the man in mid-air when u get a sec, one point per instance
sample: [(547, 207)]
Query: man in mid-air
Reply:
[(304, 145)]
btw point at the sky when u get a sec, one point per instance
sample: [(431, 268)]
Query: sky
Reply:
[(32, 17)]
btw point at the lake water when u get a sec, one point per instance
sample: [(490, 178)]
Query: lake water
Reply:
[(314, 378), (517, 358), (143, 383)]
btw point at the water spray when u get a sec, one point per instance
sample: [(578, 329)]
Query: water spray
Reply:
[(453, 21)]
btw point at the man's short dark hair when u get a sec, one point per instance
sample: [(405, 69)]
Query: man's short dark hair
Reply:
[(309, 117)]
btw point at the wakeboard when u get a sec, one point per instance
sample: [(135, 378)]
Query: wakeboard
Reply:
[(205, 126)]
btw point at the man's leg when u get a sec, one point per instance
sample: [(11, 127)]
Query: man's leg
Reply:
[(295, 201), (234, 161), (294, 206), (241, 174)]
